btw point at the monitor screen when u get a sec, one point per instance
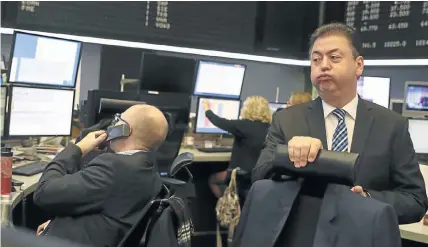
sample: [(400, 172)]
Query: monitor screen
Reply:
[(228, 109), (417, 97), (40, 111), (374, 89), (3, 96), (44, 60), (418, 130), (167, 74), (274, 106), (219, 79)]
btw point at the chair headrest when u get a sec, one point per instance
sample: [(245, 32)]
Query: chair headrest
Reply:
[(181, 161), (330, 166)]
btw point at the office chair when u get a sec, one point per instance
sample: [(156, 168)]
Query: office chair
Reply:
[(170, 206), (180, 180), (137, 236)]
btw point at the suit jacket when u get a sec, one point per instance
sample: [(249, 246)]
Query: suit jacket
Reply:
[(387, 167), (98, 204), (345, 219)]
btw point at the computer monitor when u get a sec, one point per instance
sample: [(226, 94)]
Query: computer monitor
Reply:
[(416, 100), (274, 106), (167, 73), (219, 79), (418, 129), (44, 60), (40, 111), (3, 96), (225, 108), (374, 89)]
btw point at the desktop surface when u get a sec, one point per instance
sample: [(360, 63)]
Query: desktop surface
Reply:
[(223, 108), (219, 79), (44, 60), (40, 111)]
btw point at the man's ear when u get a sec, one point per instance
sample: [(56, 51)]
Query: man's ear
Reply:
[(360, 66)]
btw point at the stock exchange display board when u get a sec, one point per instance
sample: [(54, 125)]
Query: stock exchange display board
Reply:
[(390, 30), (229, 25)]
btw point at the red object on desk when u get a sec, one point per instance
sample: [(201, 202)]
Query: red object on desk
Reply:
[(6, 171)]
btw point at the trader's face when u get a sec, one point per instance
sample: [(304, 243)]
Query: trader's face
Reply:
[(334, 70)]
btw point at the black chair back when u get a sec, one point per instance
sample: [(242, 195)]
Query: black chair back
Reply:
[(137, 236), (328, 168)]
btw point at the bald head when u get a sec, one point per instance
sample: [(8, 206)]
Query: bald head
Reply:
[(148, 125)]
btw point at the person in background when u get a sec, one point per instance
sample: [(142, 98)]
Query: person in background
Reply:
[(297, 98), (249, 133), (97, 205)]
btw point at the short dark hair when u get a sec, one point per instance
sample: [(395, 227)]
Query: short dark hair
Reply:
[(334, 29)]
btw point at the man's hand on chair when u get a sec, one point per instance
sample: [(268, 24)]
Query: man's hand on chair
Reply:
[(360, 190), (303, 149), (42, 227)]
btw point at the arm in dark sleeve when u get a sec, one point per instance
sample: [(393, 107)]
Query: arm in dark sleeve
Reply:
[(63, 189), (386, 230), (408, 197), (264, 165), (231, 126)]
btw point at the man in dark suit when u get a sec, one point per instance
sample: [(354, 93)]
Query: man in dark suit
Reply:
[(96, 205), (340, 120)]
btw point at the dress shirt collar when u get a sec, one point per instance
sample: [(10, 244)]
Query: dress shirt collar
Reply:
[(130, 152), (350, 108)]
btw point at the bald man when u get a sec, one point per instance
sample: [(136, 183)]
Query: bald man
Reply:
[(98, 204)]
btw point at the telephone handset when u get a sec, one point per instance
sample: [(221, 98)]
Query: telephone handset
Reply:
[(115, 132)]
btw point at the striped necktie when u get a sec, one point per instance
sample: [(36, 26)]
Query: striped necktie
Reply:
[(340, 136)]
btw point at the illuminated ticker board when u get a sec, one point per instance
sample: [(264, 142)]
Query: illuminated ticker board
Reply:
[(193, 24), (390, 30)]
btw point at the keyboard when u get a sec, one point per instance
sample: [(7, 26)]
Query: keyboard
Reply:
[(216, 150), (29, 169)]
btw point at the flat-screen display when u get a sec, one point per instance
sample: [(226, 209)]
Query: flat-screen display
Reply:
[(418, 130), (274, 106), (44, 60), (417, 98), (219, 79), (223, 108), (374, 89), (40, 111)]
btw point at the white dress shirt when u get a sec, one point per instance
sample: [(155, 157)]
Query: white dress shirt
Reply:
[(130, 152), (331, 121)]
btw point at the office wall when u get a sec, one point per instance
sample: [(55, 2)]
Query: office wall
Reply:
[(399, 76), (89, 69), (6, 44)]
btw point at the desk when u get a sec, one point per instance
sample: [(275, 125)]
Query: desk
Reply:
[(30, 183), (207, 157), (417, 231)]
